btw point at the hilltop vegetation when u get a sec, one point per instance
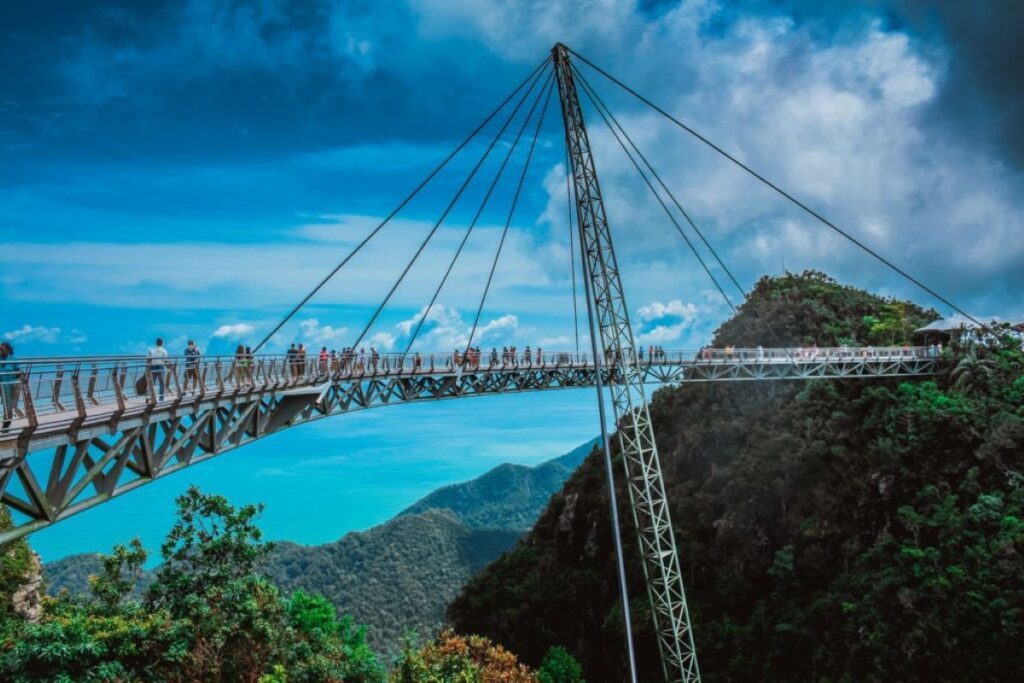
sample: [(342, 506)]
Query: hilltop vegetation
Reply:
[(829, 531)]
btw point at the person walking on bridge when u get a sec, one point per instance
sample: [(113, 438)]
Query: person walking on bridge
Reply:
[(9, 378), (240, 363), (191, 367), (156, 360), (290, 360)]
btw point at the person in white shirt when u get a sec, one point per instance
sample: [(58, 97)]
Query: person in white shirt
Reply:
[(156, 358)]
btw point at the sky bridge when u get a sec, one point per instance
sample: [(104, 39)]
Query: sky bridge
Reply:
[(80, 431), (87, 429)]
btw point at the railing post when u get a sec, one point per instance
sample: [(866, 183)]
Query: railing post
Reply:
[(118, 381), (92, 386), (30, 415), (58, 381), (177, 385), (79, 404), (218, 367), (199, 379)]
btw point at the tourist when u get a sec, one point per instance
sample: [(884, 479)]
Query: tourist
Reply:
[(191, 367), (9, 377), (249, 366), (323, 360), (156, 359), (291, 360), (240, 362)]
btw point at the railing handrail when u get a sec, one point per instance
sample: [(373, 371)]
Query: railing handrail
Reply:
[(313, 355)]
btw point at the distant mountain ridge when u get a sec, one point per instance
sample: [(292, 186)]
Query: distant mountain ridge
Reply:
[(401, 574), (506, 497)]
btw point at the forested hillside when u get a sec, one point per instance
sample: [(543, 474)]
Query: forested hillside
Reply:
[(209, 614), (507, 497), (394, 577), (401, 574), (855, 530)]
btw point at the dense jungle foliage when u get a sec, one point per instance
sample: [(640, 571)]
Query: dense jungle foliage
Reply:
[(402, 574), (859, 530), (207, 616), (210, 615)]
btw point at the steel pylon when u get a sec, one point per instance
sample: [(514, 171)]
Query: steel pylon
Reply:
[(646, 486)]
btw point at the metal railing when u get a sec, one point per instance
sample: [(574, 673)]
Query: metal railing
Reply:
[(76, 387)]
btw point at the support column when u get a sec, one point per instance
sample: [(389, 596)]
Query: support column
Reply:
[(636, 435)]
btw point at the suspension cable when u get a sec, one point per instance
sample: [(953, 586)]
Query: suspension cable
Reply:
[(433, 230), (572, 255), (599, 105), (780, 191), (480, 210), (700, 233), (657, 195), (508, 221), (437, 169)]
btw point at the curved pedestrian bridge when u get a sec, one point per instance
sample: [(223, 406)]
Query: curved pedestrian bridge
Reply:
[(86, 429)]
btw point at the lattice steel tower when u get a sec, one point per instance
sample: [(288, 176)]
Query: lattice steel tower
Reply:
[(636, 435)]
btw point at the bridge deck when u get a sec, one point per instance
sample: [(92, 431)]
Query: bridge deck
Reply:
[(86, 429), (68, 395)]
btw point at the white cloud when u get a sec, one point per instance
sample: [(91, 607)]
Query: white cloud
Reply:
[(656, 310), (664, 322), (498, 329), (315, 333), (28, 333), (383, 341), (445, 329), (439, 314), (559, 342), (233, 331)]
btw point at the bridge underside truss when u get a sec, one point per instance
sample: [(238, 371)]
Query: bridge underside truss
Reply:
[(63, 468), (114, 454)]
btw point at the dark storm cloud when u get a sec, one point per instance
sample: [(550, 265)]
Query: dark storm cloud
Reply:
[(228, 80), (984, 93), (253, 79), (979, 42)]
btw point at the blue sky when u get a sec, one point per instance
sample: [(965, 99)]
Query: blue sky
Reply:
[(191, 169)]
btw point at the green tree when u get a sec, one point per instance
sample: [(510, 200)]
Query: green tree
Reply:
[(208, 616), (208, 579), (120, 572), (559, 666), (325, 648), (973, 372)]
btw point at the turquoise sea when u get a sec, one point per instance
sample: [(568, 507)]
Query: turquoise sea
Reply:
[(345, 473)]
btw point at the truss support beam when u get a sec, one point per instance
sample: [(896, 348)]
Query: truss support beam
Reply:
[(636, 434)]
